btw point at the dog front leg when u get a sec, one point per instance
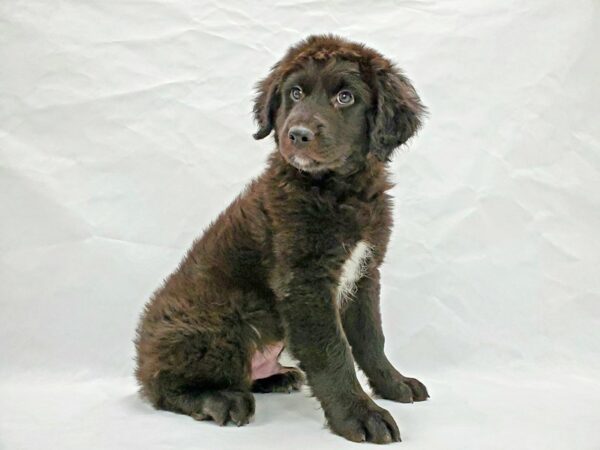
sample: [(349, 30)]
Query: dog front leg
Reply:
[(316, 339), (362, 323)]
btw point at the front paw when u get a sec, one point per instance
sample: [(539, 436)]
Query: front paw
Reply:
[(401, 389), (364, 421)]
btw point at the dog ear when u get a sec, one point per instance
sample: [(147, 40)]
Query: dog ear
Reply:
[(397, 112), (266, 103)]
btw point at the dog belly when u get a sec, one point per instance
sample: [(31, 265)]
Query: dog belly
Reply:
[(264, 362)]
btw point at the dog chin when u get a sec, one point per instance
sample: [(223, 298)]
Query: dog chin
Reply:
[(306, 164)]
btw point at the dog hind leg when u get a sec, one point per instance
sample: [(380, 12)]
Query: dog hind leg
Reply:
[(221, 406), (290, 379)]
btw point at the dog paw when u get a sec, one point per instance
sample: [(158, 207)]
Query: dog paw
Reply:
[(226, 406), (401, 389), (419, 391), (365, 422), (289, 380)]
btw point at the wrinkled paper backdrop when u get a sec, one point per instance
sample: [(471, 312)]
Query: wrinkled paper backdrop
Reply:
[(125, 127)]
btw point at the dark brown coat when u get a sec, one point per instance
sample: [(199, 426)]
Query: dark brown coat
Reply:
[(268, 269)]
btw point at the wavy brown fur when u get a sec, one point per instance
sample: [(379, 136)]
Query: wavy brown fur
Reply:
[(267, 269)]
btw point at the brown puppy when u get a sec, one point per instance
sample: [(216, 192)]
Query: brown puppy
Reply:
[(294, 259)]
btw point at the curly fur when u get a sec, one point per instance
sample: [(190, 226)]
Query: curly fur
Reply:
[(268, 268)]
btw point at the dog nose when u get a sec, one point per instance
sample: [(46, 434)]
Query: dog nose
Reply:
[(300, 136)]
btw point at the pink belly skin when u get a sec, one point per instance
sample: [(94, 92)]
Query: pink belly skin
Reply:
[(264, 363)]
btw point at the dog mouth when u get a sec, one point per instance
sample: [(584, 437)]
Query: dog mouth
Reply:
[(311, 165), (309, 160), (304, 163)]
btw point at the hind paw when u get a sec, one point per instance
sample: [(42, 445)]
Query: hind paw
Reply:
[(226, 406), (291, 379)]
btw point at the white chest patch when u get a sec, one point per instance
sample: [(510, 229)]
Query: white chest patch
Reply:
[(353, 270)]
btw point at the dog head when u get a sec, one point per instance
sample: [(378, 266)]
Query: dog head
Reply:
[(331, 102)]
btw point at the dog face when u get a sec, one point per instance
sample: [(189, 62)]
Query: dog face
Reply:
[(321, 122), (331, 102)]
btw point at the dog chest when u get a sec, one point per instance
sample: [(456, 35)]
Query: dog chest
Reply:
[(353, 269)]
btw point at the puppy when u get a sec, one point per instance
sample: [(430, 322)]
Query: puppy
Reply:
[(294, 259)]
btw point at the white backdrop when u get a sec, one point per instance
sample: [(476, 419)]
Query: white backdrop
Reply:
[(125, 127)]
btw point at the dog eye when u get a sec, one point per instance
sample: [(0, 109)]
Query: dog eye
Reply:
[(345, 98), (296, 93)]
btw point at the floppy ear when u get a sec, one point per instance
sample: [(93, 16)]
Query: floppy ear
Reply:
[(397, 114), (266, 103)]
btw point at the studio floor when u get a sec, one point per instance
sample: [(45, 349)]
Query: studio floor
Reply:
[(516, 409)]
